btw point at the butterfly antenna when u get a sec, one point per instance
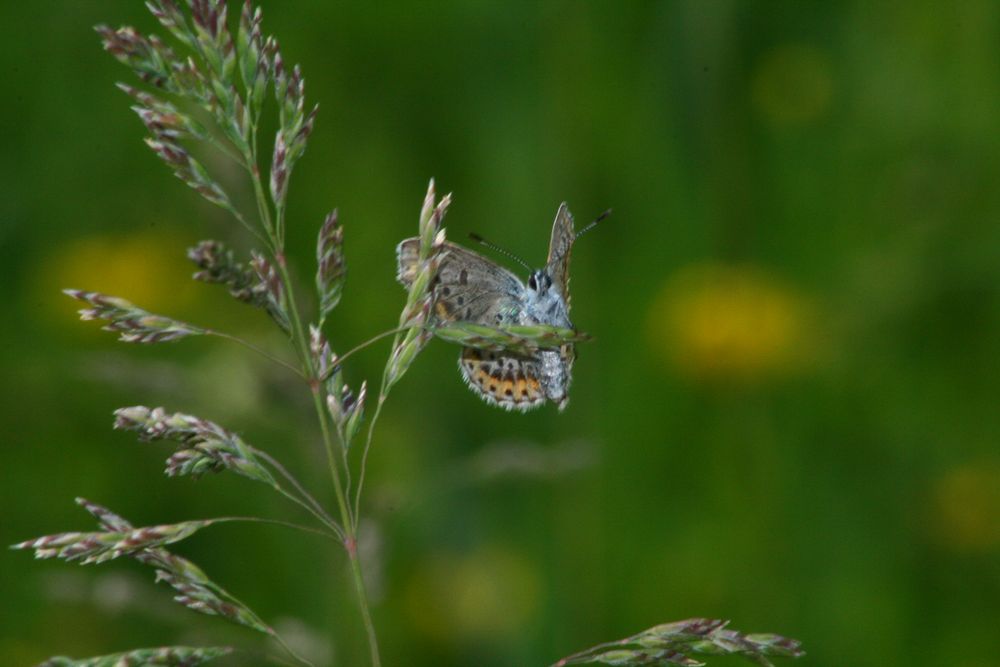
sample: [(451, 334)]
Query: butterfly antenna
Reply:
[(494, 247), (592, 224)]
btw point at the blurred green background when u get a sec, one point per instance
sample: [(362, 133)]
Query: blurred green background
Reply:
[(789, 415)]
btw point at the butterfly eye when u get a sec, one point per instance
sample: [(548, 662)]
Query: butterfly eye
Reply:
[(533, 283)]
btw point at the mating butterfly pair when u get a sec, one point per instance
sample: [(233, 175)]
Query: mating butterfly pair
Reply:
[(472, 288)]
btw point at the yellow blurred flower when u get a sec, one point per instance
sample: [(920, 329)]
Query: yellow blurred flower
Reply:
[(965, 508), (148, 269), (718, 321), (792, 84), (491, 593)]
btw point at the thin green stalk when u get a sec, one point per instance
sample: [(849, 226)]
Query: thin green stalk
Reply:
[(350, 528), (316, 508), (289, 650), (364, 453), (374, 339), (378, 408), (303, 504), (251, 346), (258, 188), (349, 521), (275, 522), (346, 461), (243, 221), (302, 348), (359, 587), (382, 393), (298, 332)]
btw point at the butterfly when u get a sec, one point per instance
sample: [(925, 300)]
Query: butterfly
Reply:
[(472, 288)]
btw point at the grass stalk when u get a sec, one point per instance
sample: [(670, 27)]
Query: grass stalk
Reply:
[(300, 342)]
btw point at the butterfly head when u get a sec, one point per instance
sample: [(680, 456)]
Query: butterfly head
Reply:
[(543, 302), (539, 282)]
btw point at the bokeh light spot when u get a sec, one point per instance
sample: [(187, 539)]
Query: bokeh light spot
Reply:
[(490, 593), (147, 269), (717, 322), (966, 508)]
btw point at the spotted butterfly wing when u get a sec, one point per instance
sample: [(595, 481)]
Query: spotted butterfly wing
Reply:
[(468, 286), (472, 288), (557, 365), (522, 383), (510, 381)]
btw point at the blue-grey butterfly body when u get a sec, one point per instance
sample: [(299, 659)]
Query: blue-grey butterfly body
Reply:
[(470, 287)]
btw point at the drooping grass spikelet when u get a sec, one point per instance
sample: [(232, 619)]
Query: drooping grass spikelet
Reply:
[(133, 324), (209, 79), (170, 16), (199, 597), (324, 360), (105, 517), (217, 264), (294, 124), (279, 170), (162, 118), (269, 291), (204, 446), (189, 170), (420, 296), (149, 58), (208, 35), (346, 408), (98, 547), (213, 37), (156, 63), (252, 57), (257, 284), (331, 267), (195, 590), (163, 656), (676, 643)]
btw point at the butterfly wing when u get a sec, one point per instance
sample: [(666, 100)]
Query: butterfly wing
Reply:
[(472, 288), (512, 382), (468, 287), (557, 264)]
